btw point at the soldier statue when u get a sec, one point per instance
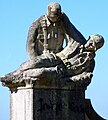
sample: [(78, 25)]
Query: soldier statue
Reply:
[(47, 57)]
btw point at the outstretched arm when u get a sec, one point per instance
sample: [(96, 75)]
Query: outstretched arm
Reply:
[(71, 31)]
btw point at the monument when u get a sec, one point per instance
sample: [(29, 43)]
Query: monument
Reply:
[(51, 84)]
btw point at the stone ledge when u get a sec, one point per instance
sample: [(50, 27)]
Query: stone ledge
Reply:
[(63, 83)]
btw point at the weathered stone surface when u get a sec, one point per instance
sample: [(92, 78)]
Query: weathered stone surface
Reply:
[(34, 103), (50, 103), (21, 103), (59, 104), (51, 84)]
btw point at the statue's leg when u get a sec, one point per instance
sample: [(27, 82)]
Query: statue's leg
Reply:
[(47, 73), (40, 73), (40, 61)]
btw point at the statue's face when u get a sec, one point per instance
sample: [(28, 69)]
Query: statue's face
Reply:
[(54, 11), (95, 42), (90, 45)]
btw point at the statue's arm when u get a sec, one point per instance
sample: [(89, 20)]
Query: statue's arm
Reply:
[(31, 45), (71, 31)]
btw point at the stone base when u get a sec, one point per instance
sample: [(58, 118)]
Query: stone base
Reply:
[(32, 103), (60, 99), (58, 105), (21, 103)]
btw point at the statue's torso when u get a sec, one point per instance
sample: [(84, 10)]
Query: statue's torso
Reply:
[(55, 37)]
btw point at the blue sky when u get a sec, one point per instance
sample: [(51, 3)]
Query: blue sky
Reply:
[(89, 17)]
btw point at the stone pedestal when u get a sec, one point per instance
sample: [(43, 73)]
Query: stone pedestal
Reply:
[(49, 100), (58, 104), (21, 103), (33, 101)]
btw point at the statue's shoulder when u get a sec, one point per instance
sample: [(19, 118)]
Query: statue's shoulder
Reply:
[(65, 17), (41, 18), (37, 22)]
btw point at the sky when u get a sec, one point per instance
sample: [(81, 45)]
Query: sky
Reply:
[(88, 16)]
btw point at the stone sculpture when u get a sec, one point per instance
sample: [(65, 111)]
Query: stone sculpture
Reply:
[(47, 57), (51, 84)]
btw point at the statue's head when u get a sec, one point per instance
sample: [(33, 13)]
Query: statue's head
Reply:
[(94, 42), (53, 11)]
